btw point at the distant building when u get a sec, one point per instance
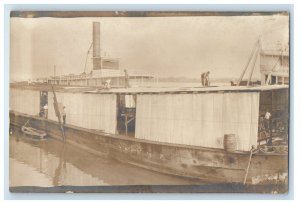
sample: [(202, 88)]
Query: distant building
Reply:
[(274, 66)]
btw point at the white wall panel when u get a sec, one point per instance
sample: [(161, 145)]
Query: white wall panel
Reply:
[(198, 119), (92, 111), (24, 101)]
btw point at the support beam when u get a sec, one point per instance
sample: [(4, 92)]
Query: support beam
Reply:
[(127, 122), (252, 69)]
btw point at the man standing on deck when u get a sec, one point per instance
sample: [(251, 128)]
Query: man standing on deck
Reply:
[(45, 110), (64, 114), (267, 121), (268, 128)]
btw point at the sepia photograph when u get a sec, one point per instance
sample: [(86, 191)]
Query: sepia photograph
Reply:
[(149, 102)]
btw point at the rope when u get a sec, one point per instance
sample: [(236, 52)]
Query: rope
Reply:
[(87, 57), (26, 122)]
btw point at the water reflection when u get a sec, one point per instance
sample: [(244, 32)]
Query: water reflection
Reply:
[(53, 163)]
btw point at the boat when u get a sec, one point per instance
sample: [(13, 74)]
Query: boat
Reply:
[(34, 133), (184, 144), (208, 133)]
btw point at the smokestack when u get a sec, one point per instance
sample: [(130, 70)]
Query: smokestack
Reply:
[(96, 46)]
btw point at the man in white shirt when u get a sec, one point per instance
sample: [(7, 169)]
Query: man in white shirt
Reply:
[(267, 121)]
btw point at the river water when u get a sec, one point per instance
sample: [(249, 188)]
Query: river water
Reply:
[(52, 163)]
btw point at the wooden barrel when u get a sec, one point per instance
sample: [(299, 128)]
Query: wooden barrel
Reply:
[(230, 143)]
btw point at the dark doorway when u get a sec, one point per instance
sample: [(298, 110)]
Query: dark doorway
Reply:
[(126, 114), (276, 102)]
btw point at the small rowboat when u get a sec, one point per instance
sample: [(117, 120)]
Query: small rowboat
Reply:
[(39, 134)]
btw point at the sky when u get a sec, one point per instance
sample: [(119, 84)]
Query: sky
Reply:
[(163, 46)]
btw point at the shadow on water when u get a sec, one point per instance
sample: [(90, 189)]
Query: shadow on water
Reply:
[(61, 166)]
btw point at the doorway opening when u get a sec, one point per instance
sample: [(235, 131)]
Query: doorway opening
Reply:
[(273, 117), (126, 107)]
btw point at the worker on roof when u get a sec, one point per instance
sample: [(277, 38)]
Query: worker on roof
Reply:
[(205, 79)]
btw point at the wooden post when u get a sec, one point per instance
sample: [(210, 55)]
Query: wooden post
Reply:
[(249, 162), (126, 129), (127, 122)]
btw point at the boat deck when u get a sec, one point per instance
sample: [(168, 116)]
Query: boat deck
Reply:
[(142, 90), (148, 90)]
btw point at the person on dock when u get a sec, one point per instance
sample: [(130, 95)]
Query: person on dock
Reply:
[(126, 79), (64, 114)]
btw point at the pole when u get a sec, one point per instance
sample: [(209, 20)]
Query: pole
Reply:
[(126, 128), (58, 113), (87, 57), (249, 162), (247, 64)]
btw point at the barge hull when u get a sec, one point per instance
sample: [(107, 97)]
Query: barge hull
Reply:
[(207, 164)]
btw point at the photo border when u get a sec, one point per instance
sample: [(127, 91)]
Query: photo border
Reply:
[(138, 7)]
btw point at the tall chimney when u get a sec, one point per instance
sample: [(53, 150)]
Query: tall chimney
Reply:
[(96, 46)]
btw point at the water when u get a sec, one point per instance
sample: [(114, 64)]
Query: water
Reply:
[(52, 163)]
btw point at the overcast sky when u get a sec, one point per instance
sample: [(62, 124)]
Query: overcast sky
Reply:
[(166, 46)]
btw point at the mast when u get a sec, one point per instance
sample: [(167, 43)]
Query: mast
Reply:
[(256, 46)]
